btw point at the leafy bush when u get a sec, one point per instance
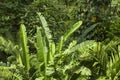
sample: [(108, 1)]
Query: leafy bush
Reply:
[(45, 48)]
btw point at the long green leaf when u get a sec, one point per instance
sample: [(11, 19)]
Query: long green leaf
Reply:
[(41, 49), (47, 34), (45, 27), (60, 45), (40, 45), (25, 53), (72, 29), (67, 34), (51, 51), (89, 29)]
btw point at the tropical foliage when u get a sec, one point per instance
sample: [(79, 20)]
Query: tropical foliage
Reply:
[(59, 40)]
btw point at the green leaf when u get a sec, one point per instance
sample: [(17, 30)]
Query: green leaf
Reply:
[(51, 51), (84, 46), (45, 27), (66, 35), (40, 45), (25, 53), (60, 44), (72, 29), (89, 29), (84, 71)]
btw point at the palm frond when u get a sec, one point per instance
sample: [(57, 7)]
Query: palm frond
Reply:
[(6, 72), (113, 69)]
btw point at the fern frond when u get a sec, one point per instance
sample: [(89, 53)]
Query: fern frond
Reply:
[(67, 34), (113, 69), (45, 27), (6, 45), (40, 45), (67, 51), (10, 48), (88, 44), (44, 42), (5, 72), (72, 29), (46, 31), (88, 30), (16, 76), (25, 53)]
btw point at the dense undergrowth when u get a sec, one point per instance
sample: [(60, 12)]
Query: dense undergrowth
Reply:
[(59, 40)]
